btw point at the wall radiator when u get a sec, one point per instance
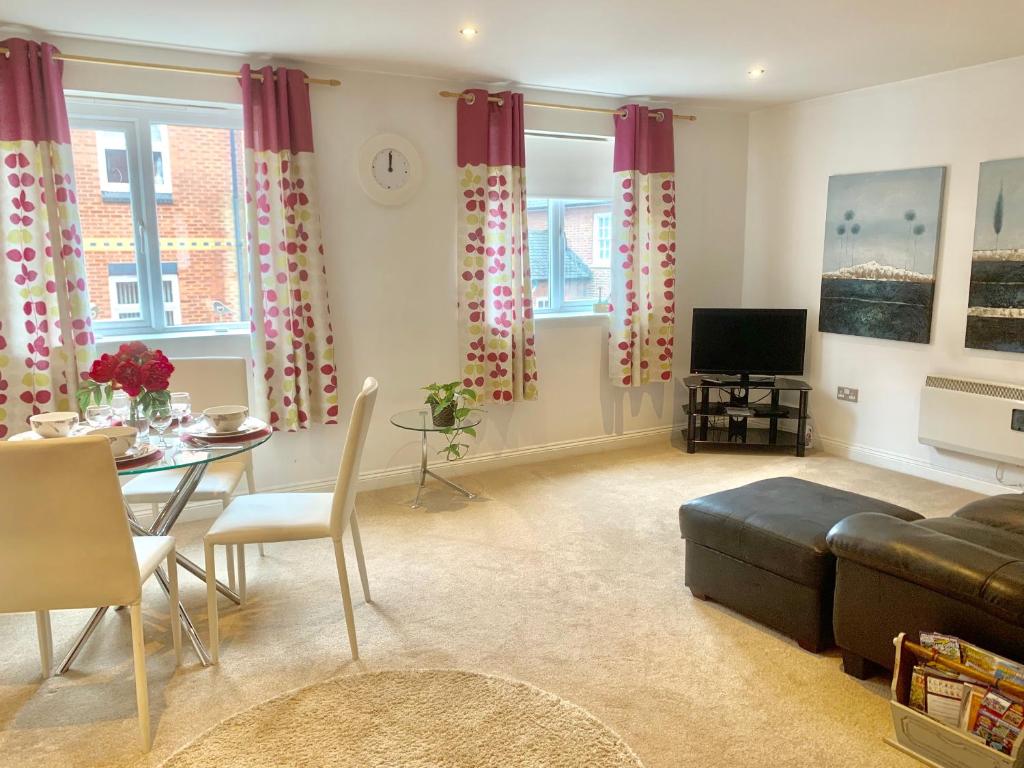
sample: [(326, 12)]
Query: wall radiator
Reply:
[(980, 418)]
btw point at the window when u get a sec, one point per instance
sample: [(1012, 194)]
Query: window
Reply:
[(113, 161), (570, 253), (158, 263)]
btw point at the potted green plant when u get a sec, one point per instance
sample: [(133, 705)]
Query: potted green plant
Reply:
[(449, 409)]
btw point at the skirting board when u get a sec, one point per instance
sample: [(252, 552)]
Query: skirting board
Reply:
[(897, 462), (407, 475)]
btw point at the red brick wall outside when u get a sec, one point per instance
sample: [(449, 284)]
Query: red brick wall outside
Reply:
[(195, 222)]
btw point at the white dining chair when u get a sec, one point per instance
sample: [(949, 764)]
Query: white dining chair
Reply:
[(268, 517), (210, 381), (65, 543)]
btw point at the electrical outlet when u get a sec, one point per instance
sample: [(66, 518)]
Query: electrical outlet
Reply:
[(849, 394)]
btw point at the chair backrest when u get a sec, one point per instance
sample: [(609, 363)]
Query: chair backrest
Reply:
[(211, 380), (64, 537), (348, 472)]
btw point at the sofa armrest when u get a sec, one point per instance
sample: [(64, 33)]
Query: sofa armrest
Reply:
[(982, 577)]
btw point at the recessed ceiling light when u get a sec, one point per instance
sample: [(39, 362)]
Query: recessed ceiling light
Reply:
[(756, 73), (469, 33)]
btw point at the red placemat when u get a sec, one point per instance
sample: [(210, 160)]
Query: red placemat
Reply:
[(142, 460), (214, 438)]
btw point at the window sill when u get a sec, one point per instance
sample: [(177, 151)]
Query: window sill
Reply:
[(197, 334), (582, 316)]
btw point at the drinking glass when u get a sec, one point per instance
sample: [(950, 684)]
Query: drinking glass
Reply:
[(160, 417), (99, 415), (119, 406), (181, 406)]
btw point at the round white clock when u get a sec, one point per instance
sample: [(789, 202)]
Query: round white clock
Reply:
[(389, 169)]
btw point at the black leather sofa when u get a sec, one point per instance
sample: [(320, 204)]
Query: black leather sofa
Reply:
[(962, 575)]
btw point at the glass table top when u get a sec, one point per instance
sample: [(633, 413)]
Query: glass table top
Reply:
[(419, 420), (179, 454)]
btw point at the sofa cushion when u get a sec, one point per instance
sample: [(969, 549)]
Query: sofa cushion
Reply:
[(937, 555), (778, 524), (1005, 512), (982, 534)]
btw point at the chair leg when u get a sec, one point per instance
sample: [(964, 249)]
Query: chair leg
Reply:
[(155, 509), (250, 486), (141, 685), (229, 556), (211, 604), (45, 642), (175, 611), (357, 540), (346, 596), (240, 553)]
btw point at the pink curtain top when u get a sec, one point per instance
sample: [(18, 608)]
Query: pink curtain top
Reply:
[(490, 133), (276, 110), (31, 94), (643, 142)]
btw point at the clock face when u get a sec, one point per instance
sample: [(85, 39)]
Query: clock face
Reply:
[(390, 169)]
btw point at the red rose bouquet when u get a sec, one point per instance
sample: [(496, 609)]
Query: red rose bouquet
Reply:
[(140, 372)]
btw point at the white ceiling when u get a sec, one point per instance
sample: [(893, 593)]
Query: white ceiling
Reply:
[(691, 49)]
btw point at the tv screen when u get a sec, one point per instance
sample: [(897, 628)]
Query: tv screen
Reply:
[(764, 342)]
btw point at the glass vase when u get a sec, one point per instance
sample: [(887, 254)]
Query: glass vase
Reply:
[(139, 419)]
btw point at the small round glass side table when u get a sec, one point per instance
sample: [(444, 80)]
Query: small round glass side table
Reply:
[(419, 420)]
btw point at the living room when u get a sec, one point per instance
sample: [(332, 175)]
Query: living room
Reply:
[(554, 568)]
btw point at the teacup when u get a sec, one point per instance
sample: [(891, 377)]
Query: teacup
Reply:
[(56, 424), (226, 418), (121, 438)]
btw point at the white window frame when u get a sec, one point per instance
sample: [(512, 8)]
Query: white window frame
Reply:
[(556, 302), (134, 121), (106, 140), (603, 239)]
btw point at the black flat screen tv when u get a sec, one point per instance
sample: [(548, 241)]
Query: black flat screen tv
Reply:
[(748, 342)]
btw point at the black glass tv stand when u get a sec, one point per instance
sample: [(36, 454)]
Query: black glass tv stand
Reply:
[(736, 417)]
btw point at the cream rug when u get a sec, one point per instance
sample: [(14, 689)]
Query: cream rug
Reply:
[(411, 719)]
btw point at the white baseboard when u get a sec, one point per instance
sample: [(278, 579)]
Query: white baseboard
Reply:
[(383, 478), (408, 474), (877, 457)]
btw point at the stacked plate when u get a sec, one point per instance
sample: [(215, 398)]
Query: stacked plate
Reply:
[(248, 428)]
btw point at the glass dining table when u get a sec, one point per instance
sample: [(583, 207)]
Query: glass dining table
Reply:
[(193, 456)]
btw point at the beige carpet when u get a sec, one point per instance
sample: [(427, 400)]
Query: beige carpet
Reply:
[(415, 719), (566, 574)]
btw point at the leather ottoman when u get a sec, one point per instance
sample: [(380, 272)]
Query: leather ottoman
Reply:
[(760, 550)]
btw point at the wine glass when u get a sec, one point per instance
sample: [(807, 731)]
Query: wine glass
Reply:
[(119, 406), (160, 418), (99, 415), (181, 407)]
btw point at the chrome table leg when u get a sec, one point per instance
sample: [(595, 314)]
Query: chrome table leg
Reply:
[(186, 621), (84, 635), (424, 472), (161, 526)]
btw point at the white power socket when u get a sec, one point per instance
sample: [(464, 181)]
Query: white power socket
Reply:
[(849, 394)]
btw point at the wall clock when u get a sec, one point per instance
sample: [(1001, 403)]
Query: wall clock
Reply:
[(389, 169)]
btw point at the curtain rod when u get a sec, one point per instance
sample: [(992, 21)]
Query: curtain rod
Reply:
[(165, 67), (546, 105)]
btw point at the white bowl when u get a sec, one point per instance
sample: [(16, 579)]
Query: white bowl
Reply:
[(226, 418), (121, 438), (56, 424)]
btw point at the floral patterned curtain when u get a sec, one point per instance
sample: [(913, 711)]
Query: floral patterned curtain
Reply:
[(46, 335), (643, 248), (495, 304), (292, 339)]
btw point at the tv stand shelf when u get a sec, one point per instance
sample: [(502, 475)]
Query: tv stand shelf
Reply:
[(700, 431)]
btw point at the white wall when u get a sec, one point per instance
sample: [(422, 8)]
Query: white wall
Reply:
[(957, 119), (392, 280)]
